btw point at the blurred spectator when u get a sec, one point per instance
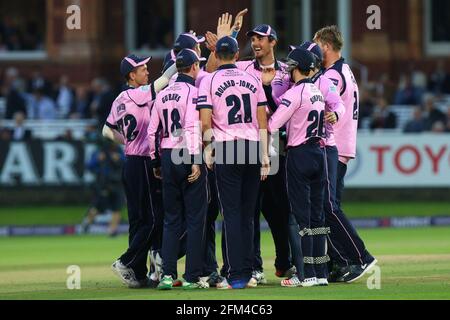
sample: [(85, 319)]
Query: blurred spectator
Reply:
[(23, 36), (433, 114), (438, 127), (39, 82), (106, 163), (41, 106), (382, 117), (20, 133), (65, 98), (12, 90), (66, 136), (5, 135), (439, 82), (92, 134), (385, 88), (366, 105), (82, 103), (102, 100), (417, 124), (408, 93), (447, 127)]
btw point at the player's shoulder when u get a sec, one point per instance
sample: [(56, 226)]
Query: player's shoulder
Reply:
[(244, 65)]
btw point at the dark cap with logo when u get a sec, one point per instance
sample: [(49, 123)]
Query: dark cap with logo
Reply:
[(186, 58), (130, 62), (263, 30), (227, 45)]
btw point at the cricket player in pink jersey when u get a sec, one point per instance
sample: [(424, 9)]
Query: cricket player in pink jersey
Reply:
[(232, 103), (185, 191), (350, 258), (302, 110), (334, 109), (127, 124), (273, 201)]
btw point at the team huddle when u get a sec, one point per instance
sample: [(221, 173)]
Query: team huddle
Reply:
[(203, 139)]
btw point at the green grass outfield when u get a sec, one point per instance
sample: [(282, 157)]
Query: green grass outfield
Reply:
[(74, 214), (415, 264)]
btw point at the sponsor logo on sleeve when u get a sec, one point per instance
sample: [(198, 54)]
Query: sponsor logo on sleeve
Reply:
[(286, 103)]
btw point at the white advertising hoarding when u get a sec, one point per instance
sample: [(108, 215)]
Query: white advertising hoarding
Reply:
[(400, 160)]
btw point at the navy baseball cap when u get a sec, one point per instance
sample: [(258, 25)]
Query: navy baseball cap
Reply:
[(311, 47), (130, 62), (187, 57), (227, 45), (301, 58), (263, 30), (187, 41)]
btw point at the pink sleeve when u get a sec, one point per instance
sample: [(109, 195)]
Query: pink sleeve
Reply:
[(284, 112), (142, 95), (111, 120), (333, 99), (201, 75), (152, 130), (204, 100), (192, 126)]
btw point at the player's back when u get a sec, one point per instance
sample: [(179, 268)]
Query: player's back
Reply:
[(173, 105), (346, 129), (302, 109), (234, 97), (130, 115)]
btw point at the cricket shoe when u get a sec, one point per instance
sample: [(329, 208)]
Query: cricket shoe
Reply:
[(155, 265), (338, 274), (322, 282), (166, 283), (259, 277), (252, 283), (224, 285), (195, 285), (286, 273), (125, 274), (292, 282), (358, 271), (213, 279), (309, 282)]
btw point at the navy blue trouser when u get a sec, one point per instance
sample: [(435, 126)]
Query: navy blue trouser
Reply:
[(274, 205), (145, 213), (210, 264), (185, 206), (344, 244), (238, 187), (305, 183)]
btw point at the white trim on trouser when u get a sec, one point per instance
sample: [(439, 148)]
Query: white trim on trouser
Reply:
[(153, 213), (224, 224), (331, 204), (348, 234)]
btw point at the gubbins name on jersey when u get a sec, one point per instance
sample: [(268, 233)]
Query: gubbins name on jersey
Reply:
[(231, 83), (171, 97)]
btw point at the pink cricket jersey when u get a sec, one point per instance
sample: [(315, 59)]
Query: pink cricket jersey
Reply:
[(346, 128), (302, 109), (333, 103), (130, 116), (174, 111), (234, 96), (280, 84)]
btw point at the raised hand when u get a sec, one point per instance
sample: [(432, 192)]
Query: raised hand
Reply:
[(224, 25), (239, 20), (331, 118), (211, 40)]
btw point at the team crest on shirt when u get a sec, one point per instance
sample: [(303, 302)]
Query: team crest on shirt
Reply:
[(333, 89), (121, 108)]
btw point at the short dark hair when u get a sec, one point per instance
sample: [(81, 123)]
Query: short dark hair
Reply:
[(227, 56), (330, 35), (185, 69)]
